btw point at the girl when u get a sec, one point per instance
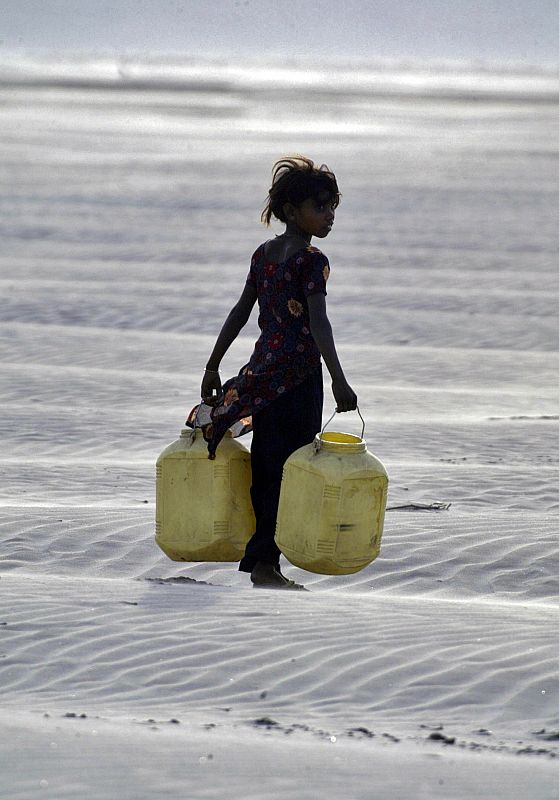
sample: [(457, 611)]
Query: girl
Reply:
[(281, 386)]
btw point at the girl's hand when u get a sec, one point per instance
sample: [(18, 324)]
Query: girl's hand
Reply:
[(210, 390), (345, 397)]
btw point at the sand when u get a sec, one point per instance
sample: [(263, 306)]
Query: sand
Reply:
[(432, 673)]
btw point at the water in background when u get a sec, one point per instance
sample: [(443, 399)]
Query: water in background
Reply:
[(444, 170), (130, 197)]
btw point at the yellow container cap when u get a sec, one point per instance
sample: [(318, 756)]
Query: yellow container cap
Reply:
[(340, 442)]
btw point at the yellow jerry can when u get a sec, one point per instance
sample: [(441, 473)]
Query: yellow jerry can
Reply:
[(203, 507), (332, 503)]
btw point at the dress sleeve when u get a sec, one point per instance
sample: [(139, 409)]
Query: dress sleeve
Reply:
[(251, 277), (314, 272)]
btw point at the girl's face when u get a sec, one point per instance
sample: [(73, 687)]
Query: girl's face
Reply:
[(315, 216)]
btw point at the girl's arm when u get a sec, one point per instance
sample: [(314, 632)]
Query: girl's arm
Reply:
[(235, 322), (321, 330)]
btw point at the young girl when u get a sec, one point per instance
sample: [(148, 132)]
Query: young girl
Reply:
[(281, 386)]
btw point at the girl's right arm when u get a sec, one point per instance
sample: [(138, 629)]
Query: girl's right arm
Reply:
[(236, 320), (321, 330)]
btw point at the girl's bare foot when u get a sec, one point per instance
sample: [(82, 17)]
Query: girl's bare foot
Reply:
[(267, 576)]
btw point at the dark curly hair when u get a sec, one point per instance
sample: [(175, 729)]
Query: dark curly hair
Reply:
[(294, 180)]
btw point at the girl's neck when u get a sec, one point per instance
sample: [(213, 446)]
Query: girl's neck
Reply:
[(293, 231), (286, 245)]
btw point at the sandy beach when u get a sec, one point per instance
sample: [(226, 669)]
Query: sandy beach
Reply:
[(129, 214)]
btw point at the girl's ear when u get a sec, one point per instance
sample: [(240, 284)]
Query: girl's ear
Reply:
[(289, 212)]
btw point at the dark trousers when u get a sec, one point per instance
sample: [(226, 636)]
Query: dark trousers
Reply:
[(283, 426)]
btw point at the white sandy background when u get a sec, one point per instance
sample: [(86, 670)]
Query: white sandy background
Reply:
[(128, 219)]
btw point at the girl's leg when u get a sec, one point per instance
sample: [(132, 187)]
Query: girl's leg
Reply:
[(289, 422)]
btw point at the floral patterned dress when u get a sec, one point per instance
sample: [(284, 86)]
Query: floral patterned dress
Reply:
[(285, 353)]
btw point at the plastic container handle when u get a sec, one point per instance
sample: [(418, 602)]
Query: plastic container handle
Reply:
[(330, 420)]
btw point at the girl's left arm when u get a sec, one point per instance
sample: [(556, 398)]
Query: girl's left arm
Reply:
[(235, 322), (321, 330)]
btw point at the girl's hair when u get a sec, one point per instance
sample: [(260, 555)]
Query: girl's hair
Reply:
[(294, 180)]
